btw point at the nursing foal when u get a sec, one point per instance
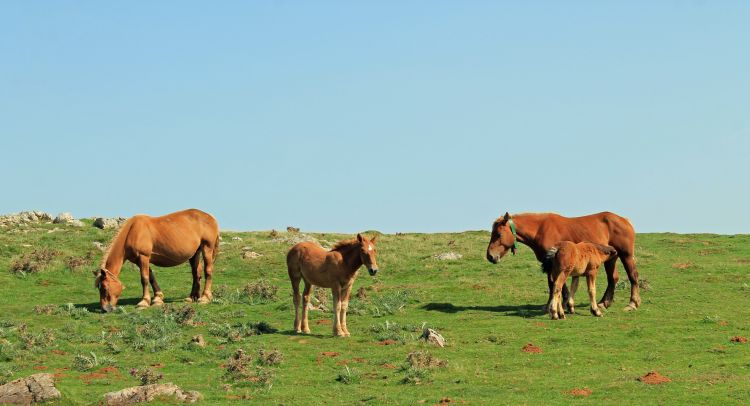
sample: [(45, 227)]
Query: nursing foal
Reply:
[(336, 269), (570, 259)]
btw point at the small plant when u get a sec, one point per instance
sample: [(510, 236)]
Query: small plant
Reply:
[(270, 358), (183, 315), (45, 309), (146, 376), (76, 263), (83, 362), (260, 292), (348, 376), (417, 366), (390, 303), (72, 311), (236, 332), (33, 262), (6, 374), (8, 351)]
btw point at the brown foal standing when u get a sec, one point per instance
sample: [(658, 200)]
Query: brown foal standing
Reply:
[(570, 259), (336, 269)]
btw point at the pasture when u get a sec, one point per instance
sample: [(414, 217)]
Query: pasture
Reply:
[(696, 291)]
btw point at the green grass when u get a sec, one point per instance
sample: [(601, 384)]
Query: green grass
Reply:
[(699, 289)]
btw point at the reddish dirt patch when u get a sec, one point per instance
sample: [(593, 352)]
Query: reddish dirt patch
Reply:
[(478, 287), (654, 378), (445, 401), (157, 366), (330, 354), (102, 373), (43, 282), (682, 265), (343, 362), (723, 323), (739, 339), (59, 352), (387, 342), (40, 367), (360, 360), (323, 321), (584, 392), (540, 324), (531, 348), (389, 366)]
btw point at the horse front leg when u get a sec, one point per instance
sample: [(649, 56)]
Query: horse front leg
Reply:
[(305, 305), (555, 306), (158, 294), (571, 298), (208, 271), (337, 331), (146, 298), (344, 307), (635, 296)]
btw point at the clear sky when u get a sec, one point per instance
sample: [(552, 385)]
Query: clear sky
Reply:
[(386, 115)]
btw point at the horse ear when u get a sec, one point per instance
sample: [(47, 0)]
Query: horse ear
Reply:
[(359, 237), (372, 240), (506, 217)]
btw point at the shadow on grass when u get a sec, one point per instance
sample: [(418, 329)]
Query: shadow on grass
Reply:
[(527, 310)]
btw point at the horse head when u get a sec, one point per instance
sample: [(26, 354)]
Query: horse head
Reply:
[(110, 288), (503, 238), (368, 253)]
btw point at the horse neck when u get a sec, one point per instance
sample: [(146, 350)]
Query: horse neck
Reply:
[(526, 230), (115, 255), (351, 257)]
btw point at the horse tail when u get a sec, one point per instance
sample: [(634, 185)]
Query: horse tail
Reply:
[(549, 260), (215, 252)]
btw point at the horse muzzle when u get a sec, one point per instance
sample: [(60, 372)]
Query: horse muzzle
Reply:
[(372, 271), (108, 308), (492, 258)]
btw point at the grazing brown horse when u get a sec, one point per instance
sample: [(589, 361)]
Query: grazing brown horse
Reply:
[(541, 231), (163, 241), (336, 269), (574, 259)]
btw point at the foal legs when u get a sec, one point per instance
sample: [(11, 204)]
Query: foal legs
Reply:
[(146, 298), (337, 330), (591, 282), (555, 306), (571, 298), (305, 305), (347, 290), (195, 266), (296, 298), (158, 294)]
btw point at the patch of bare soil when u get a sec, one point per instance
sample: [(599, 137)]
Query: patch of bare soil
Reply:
[(387, 342), (583, 392), (59, 352), (323, 321), (103, 373), (654, 378), (389, 366), (682, 265), (739, 339), (330, 354), (531, 348)]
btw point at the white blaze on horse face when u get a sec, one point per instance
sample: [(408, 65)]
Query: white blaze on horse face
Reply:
[(369, 248)]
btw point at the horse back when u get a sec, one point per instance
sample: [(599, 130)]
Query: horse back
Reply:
[(605, 228)]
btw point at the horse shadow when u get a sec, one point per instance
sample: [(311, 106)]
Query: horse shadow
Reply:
[(525, 311)]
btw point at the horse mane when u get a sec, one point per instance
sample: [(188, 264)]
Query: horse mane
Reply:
[(345, 245), (118, 236)]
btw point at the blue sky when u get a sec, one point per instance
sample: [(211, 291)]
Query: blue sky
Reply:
[(395, 116)]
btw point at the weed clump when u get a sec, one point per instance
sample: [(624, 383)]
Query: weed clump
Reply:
[(260, 292), (33, 262), (76, 263), (82, 362), (270, 358), (236, 332), (417, 366), (146, 376), (348, 376), (183, 315), (240, 369)]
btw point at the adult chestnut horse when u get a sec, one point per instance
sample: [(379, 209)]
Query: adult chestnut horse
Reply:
[(336, 269), (541, 231), (163, 241)]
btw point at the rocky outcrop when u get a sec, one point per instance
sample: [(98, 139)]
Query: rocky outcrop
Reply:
[(147, 393), (36, 388)]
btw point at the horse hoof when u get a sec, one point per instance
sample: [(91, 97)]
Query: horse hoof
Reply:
[(142, 304), (157, 302), (189, 300), (630, 307), (204, 300), (604, 304)]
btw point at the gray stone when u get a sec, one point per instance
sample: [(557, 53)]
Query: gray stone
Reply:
[(36, 388), (147, 393), (433, 337), (108, 222), (448, 256), (63, 218)]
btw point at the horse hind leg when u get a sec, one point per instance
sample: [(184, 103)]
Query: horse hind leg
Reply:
[(208, 271), (295, 278), (591, 282), (144, 266), (305, 305), (195, 266), (610, 267), (635, 296), (158, 294)]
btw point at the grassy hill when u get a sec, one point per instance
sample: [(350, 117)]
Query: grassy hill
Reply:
[(696, 301)]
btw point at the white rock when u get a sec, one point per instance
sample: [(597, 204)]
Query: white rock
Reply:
[(64, 217)]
